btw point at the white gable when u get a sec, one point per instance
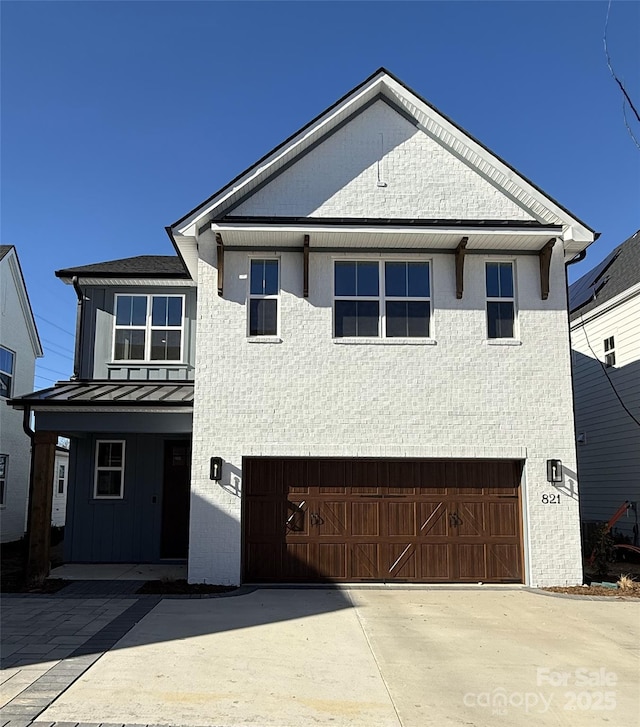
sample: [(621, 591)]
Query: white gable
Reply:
[(379, 165)]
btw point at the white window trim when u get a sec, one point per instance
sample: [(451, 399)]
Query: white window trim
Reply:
[(59, 479), (382, 299), (109, 469), (5, 479), (492, 299), (270, 338), (148, 328), (610, 352), (9, 373)]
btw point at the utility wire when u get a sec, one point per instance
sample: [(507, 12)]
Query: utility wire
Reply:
[(45, 378), (53, 371), (619, 82), (55, 325)]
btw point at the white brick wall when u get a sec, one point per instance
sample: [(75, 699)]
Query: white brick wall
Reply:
[(339, 178), (310, 396)]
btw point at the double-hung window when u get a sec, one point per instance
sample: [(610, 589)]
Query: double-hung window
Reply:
[(264, 286), (6, 371), (609, 352), (4, 464), (62, 478), (500, 300), (382, 298), (109, 471), (148, 328)]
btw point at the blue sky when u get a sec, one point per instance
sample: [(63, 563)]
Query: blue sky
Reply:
[(119, 117)]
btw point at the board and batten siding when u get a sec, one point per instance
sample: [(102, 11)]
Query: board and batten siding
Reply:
[(609, 458), (97, 338)]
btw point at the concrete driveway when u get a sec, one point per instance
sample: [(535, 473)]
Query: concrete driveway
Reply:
[(368, 658)]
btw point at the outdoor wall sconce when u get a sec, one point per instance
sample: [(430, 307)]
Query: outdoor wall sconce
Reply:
[(554, 470), (215, 469)]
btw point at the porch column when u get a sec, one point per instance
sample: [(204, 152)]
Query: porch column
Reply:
[(39, 515)]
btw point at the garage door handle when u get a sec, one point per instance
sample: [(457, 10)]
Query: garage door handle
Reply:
[(454, 520), (315, 518)]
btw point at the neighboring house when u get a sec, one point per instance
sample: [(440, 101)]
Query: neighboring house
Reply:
[(19, 348), (60, 477), (605, 337), (382, 378)]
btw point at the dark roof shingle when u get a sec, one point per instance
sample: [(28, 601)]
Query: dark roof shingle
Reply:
[(4, 250), (615, 274), (148, 266)]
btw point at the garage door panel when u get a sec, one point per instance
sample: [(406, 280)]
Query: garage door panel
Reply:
[(400, 518), (435, 562), (470, 561), (263, 560), (332, 519), (265, 518), (297, 518), (365, 518), (364, 561), (297, 563), (401, 561), (293, 474), (502, 519), (433, 519), (331, 558), (503, 563), (470, 519)]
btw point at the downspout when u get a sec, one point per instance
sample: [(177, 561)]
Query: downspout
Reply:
[(79, 328)]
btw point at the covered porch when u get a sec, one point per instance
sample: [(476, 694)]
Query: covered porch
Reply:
[(129, 472)]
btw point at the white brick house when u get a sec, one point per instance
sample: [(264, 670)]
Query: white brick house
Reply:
[(383, 359)]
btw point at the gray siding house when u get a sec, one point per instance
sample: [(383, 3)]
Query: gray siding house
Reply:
[(605, 341), (127, 411)]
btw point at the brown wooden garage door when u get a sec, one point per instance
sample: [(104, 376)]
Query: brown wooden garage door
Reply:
[(309, 520)]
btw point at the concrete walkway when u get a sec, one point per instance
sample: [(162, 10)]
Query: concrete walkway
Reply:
[(355, 658)]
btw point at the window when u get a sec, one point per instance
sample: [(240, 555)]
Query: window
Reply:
[(61, 478), (389, 298), (609, 352), (148, 328), (109, 477), (500, 300), (4, 465), (263, 297), (6, 371)]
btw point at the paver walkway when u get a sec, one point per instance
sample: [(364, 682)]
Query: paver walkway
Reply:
[(49, 641)]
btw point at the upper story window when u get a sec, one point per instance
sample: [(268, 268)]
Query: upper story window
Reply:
[(264, 288), (4, 463), (609, 352), (109, 472), (389, 298), (500, 300), (6, 371), (148, 328), (62, 478)]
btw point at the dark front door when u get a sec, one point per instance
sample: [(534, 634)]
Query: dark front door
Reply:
[(407, 520), (175, 499)]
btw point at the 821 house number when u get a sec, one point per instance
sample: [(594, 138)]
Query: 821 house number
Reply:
[(553, 499)]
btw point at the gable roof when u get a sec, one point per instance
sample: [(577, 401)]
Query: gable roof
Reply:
[(146, 266), (10, 252), (384, 85), (618, 272)]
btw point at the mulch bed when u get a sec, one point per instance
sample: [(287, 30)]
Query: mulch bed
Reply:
[(596, 591), (14, 583), (181, 587)]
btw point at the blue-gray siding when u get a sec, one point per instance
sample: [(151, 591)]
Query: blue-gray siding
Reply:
[(116, 531)]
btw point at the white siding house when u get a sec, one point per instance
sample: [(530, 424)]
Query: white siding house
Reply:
[(605, 338), (19, 348), (383, 376)]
